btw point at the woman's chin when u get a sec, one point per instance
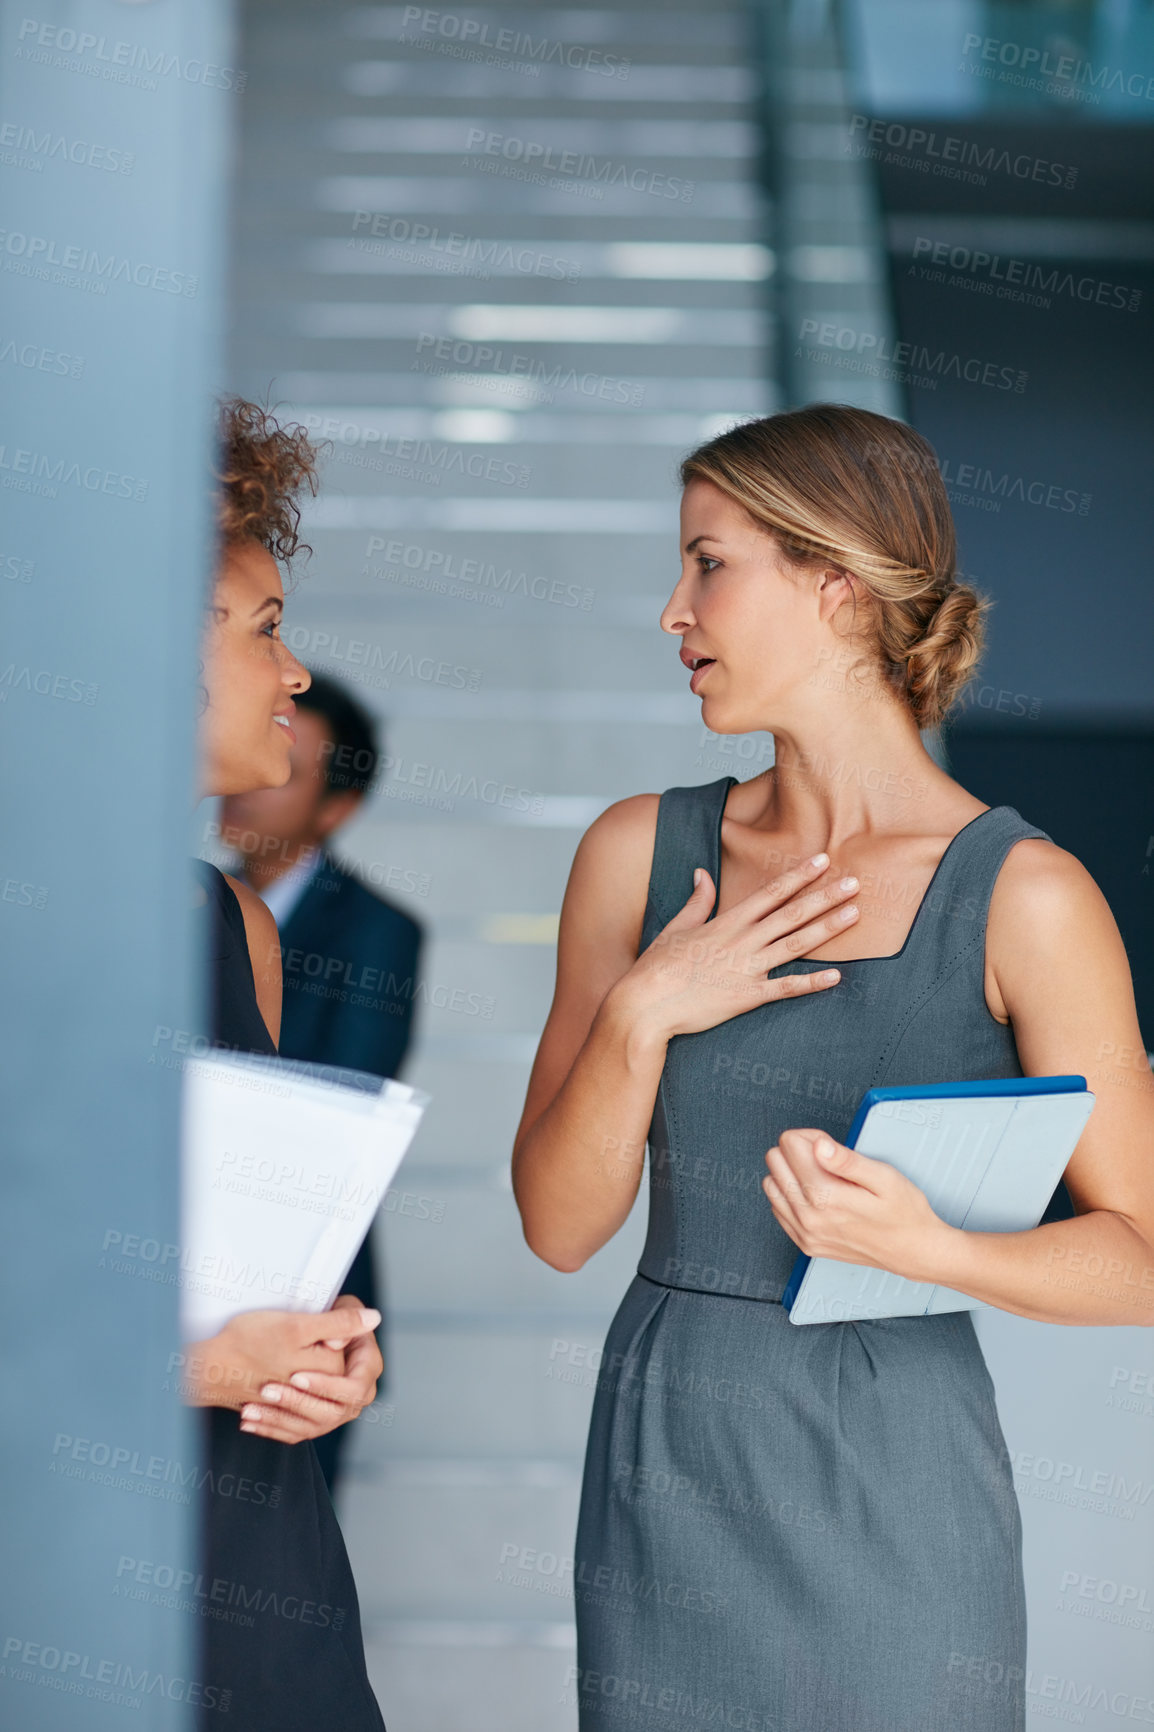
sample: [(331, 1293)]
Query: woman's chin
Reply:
[(713, 714), (279, 770), (271, 770)]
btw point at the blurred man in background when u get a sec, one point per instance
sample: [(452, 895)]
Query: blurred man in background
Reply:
[(349, 956)]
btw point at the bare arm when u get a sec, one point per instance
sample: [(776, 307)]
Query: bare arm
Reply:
[(594, 1080), (580, 1146), (1063, 973)]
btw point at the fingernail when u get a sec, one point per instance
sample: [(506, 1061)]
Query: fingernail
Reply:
[(270, 1392), (250, 1412), (248, 1428), (299, 1380), (370, 1319), (820, 860)]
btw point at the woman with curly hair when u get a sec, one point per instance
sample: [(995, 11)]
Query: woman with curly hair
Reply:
[(281, 1626), (815, 1529)]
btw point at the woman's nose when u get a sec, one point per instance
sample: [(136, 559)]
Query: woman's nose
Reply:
[(294, 674), (676, 616)]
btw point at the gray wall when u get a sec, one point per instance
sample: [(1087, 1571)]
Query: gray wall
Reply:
[(110, 271), (1060, 723)]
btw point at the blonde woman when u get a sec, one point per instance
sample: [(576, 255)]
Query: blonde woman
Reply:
[(815, 1529)]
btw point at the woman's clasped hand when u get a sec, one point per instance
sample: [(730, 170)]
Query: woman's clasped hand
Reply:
[(836, 1202), (291, 1374)]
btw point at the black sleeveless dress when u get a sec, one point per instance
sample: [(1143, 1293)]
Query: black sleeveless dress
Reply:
[(281, 1629)]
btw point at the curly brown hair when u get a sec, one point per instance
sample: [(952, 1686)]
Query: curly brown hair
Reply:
[(261, 468)]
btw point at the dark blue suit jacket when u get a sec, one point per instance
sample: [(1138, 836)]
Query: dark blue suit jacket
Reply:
[(349, 961)]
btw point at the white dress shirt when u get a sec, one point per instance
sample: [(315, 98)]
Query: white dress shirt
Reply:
[(281, 895)]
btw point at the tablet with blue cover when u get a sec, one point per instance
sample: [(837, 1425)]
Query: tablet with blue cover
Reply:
[(987, 1155)]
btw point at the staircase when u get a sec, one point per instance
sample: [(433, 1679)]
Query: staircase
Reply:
[(511, 263)]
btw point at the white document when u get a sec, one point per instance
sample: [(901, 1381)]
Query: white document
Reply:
[(284, 1167), (986, 1162)]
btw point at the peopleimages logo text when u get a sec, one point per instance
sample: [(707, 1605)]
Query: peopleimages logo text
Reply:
[(107, 57), (932, 149), (40, 250), (982, 483), (932, 364), (1065, 69), (1045, 279), (540, 158), (476, 33)]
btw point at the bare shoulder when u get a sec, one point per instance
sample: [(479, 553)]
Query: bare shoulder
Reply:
[(1041, 882), (602, 917), (1048, 920), (602, 914), (258, 922), (609, 881), (1064, 976), (624, 833)]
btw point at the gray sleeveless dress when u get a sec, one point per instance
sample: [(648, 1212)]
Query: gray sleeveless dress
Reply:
[(785, 1528)]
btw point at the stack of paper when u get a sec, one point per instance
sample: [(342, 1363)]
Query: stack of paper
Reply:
[(284, 1167)]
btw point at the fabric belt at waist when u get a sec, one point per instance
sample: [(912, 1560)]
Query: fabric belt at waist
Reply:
[(718, 1291)]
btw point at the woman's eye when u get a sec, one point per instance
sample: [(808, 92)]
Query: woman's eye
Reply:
[(707, 565), (271, 628)]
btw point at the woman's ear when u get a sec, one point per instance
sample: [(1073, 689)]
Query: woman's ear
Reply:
[(836, 586)]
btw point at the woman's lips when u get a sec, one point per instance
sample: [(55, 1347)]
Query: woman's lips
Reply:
[(285, 727), (698, 675)]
